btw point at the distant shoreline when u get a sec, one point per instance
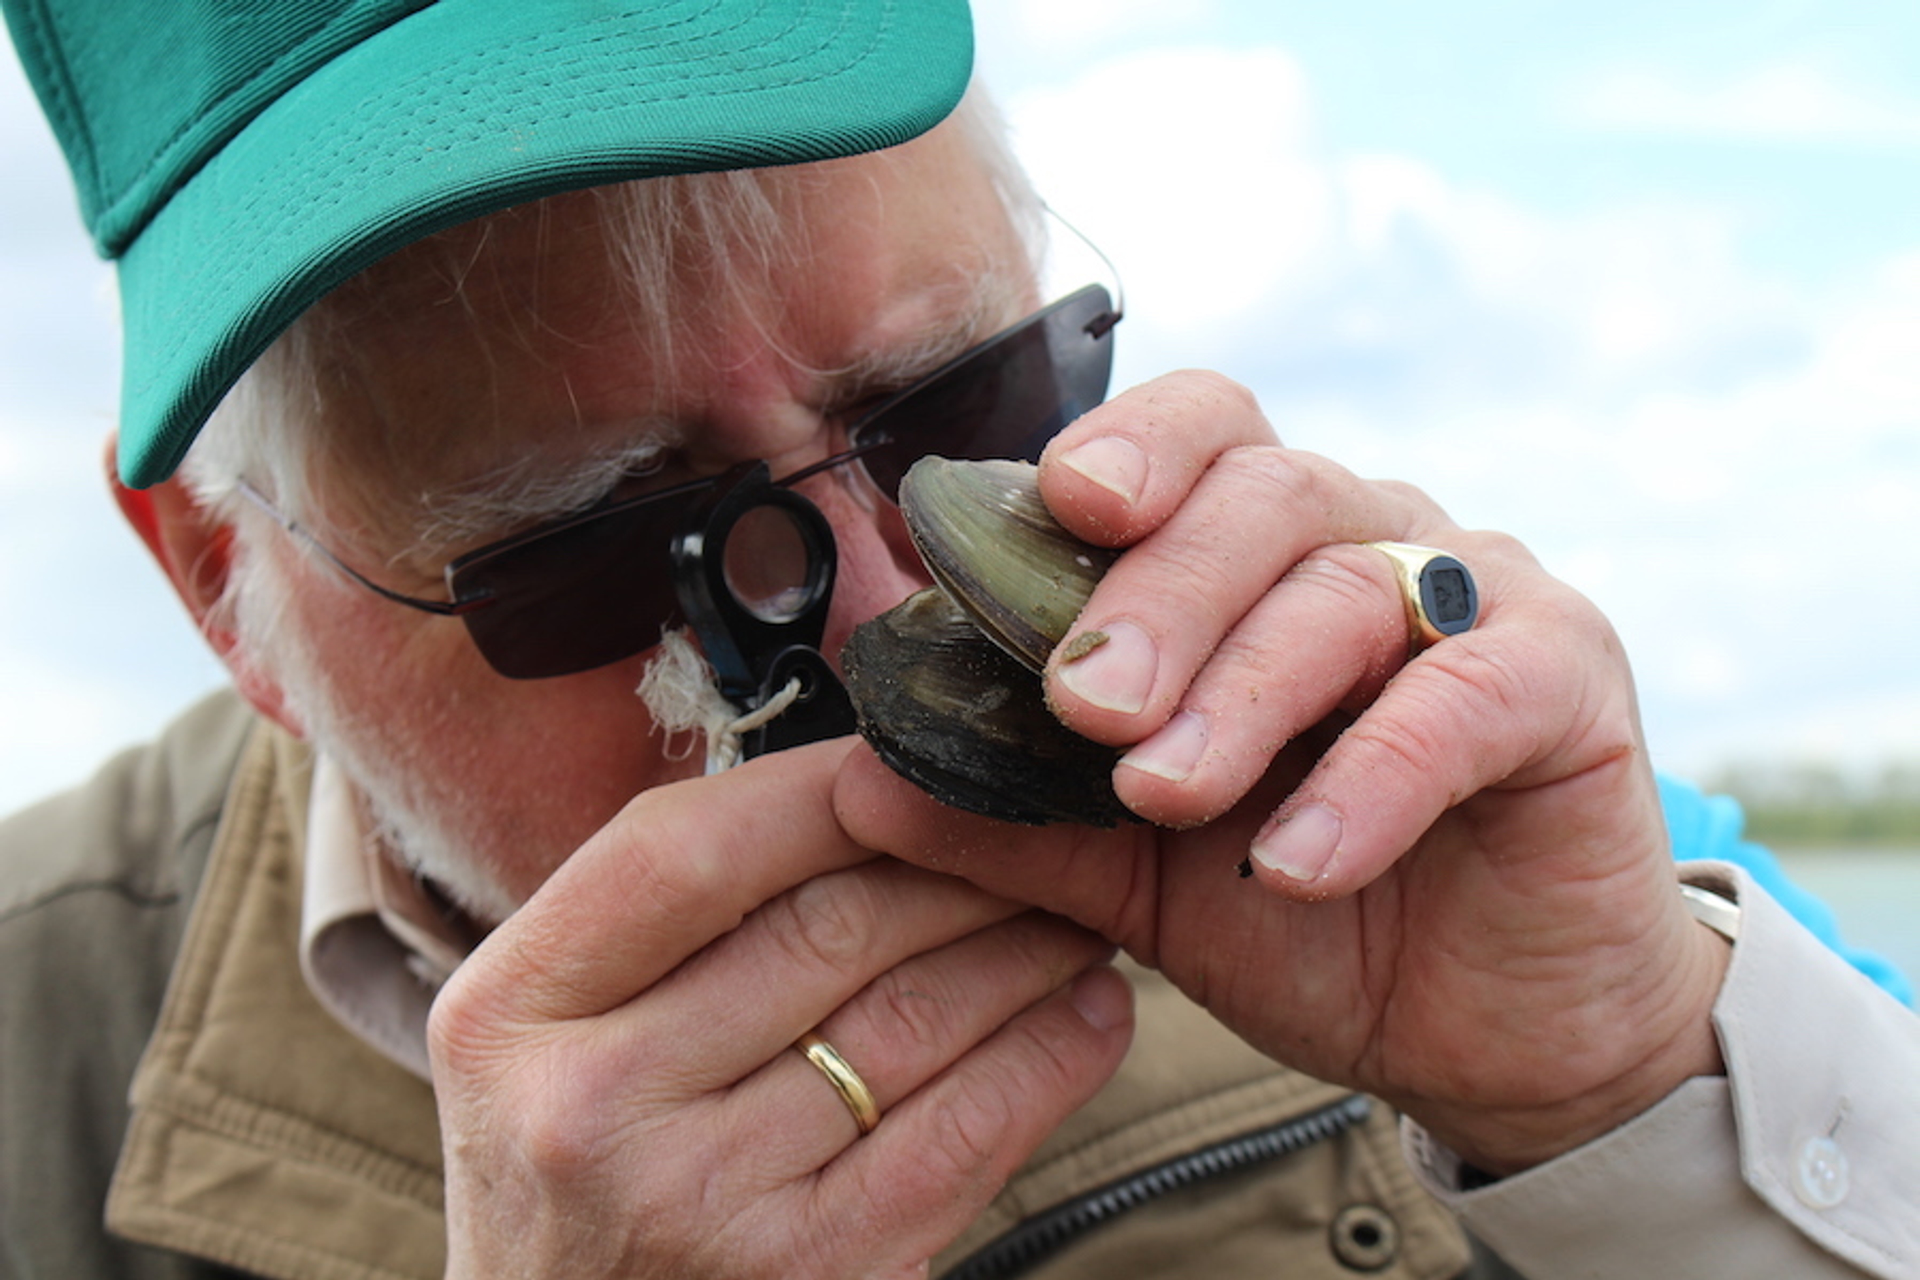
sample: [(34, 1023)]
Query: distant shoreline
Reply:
[(1807, 804), (1807, 846)]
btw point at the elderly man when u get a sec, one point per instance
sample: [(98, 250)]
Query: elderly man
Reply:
[(438, 955)]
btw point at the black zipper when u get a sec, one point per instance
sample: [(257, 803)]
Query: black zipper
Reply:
[(1040, 1237)]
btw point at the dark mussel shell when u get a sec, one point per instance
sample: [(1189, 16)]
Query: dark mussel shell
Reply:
[(952, 712), (946, 686)]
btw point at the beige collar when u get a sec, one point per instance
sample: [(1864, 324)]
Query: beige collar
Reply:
[(263, 1136), (375, 947)]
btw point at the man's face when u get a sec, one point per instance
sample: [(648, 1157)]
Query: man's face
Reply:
[(501, 355)]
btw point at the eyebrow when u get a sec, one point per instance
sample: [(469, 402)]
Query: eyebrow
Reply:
[(993, 300), (519, 495)]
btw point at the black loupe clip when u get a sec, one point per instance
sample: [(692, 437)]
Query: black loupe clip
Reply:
[(754, 572)]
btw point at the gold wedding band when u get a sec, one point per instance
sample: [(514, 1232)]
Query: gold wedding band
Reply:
[(845, 1080), (1440, 595)]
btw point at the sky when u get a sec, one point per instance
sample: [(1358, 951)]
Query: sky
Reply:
[(1638, 283)]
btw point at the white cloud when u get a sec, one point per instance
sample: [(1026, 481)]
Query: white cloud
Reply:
[(1870, 369), (1780, 103), (1075, 24), (1622, 293), (1203, 187), (1236, 233)]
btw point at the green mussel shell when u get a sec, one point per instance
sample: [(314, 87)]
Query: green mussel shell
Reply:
[(946, 686)]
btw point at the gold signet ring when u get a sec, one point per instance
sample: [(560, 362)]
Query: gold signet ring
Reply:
[(1439, 592)]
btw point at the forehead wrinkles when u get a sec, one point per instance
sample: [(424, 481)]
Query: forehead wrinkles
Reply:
[(521, 495)]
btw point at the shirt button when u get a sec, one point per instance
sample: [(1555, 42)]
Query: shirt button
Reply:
[(1820, 1173)]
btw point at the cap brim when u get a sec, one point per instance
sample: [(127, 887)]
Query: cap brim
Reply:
[(469, 106)]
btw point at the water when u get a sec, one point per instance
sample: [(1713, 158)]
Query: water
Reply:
[(1874, 892)]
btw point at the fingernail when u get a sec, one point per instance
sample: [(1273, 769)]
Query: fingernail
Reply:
[(1102, 997), (1175, 751), (1114, 674), (1116, 465), (1301, 846)]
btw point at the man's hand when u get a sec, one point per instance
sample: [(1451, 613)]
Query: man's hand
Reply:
[(1461, 899), (617, 1090)]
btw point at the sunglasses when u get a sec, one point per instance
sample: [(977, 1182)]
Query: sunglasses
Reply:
[(599, 586)]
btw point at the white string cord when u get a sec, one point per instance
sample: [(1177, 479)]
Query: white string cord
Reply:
[(723, 750), (682, 696)]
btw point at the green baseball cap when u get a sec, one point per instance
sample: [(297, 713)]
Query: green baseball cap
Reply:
[(242, 157)]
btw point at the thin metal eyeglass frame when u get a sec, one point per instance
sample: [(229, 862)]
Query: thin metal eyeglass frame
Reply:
[(460, 608)]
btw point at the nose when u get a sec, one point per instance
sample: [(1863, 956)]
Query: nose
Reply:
[(878, 567)]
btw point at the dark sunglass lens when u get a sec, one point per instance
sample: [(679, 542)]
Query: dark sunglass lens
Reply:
[(587, 593), (1004, 399)]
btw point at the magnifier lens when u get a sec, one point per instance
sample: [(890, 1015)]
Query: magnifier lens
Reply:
[(767, 565)]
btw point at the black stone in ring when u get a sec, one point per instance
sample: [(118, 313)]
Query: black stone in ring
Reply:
[(1439, 591)]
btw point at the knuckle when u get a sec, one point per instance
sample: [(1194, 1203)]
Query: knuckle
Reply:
[(1479, 694), (1201, 569), (1495, 556), (1405, 744), (1194, 591), (855, 1234), (1502, 547), (827, 922), (561, 1140), (1569, 618), (1219, 391), (1285, 480), (1353, 577), (1501, 685), (533, 1123), (974, 1129), (1195, 407), (1413, 498), (1198, 387), (1459, 700), (463, 1035), (660, 886), (915, 1011)]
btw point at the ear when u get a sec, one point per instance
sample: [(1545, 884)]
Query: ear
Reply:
[(195, 551)]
